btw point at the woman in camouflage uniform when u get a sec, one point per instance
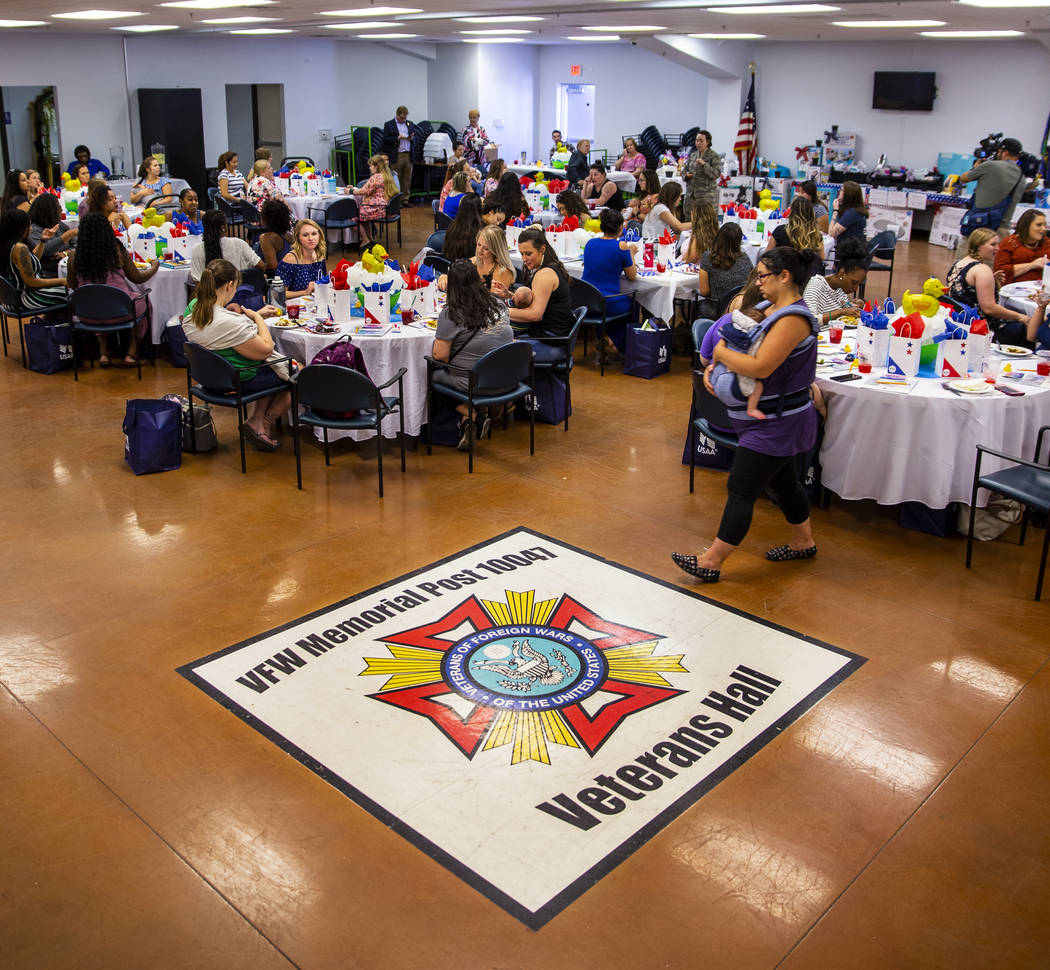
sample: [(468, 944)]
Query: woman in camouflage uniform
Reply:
[(701, 172)]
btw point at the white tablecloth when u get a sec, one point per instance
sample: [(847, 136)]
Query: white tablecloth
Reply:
[(655, 293), (625, 181), (299, 204), (1018, 296), (383, 357), (921, 446)]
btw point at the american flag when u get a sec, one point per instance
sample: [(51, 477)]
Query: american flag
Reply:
[(746, 145)]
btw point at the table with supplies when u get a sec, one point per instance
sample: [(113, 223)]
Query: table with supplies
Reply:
[(384, 355), (916, 441)]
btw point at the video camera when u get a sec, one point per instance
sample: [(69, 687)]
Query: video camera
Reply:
[(989, 147)]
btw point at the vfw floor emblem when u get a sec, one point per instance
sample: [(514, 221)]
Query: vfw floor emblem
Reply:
[(524, 673)]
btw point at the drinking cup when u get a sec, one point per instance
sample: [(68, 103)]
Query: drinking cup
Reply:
[(835, 333), (1042, 368), (293, 311)]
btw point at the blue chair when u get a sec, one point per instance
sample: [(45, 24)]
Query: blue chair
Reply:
[(708, 416), (436, 241), (101, 309), (501, 376), (562, 366), (326, 390), (219, 383), (437, 263), (700, 327), (341, 214), (1027, 482), (590, 298), (11, 306), (250, 220)]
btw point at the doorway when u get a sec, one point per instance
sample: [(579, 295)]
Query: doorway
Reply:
[(576, 111), (255, 119), (29, 135)]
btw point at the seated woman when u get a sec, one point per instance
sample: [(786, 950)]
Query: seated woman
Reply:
[(101, 198), (631, 160), (100, 258), (217, 244), (491, 259), (492, 213), (82, 156), (808, 190), (472, 323), (461, 237), (831, 297), (550, 312), (34, 186), (16, 188), (82, 174), (648, 191), (262, 186), (275, 240), (455, 166), (664, 214), (373, 196), (1038, 328), (230, 180), (1022, 254), (576, 170), (851, 215), (244, 340), (460, 187), (189, 206), (496, 170), (151, 183), (45, 213), (20, 265), (971, 281), (600, 187), (605, 260), (801, 231), (509, 197), (723, 269), (301, 267), (570, 204), (702, 231)]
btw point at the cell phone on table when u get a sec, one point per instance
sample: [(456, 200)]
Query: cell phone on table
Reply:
[(1009, 391), (842, 378)]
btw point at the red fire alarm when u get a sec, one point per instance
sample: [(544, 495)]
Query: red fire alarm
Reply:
[(575, 69)]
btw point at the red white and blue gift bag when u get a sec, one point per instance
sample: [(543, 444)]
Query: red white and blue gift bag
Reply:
[(905, 346)]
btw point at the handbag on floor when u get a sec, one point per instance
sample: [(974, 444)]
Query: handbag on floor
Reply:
[(152, 436), (49, 346), (207, 439)]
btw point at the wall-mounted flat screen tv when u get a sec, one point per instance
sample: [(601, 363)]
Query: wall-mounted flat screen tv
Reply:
[(904, 90)]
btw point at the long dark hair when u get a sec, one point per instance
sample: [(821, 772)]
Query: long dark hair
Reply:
[(276, 217), (652, 181), (496, 169), (98, 194), (470, 303), (98, 251), (215, 275), (537, 238), (574, 204), (726, 248), (1024, 224), (462, 235), (670, 195), (852, 198), (14, 224), (45, 211), (12, 188), (214, 229), (799, 263), (508, 194)]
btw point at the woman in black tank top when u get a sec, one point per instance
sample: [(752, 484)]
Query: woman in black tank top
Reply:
[(598, 186)]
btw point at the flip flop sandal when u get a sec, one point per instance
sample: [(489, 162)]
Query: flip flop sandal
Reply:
[(260, 443), (104, 361), (690, 565)]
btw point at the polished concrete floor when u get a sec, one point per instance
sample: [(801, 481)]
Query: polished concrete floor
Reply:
[(900, 824)]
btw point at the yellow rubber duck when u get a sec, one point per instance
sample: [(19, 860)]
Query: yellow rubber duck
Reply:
[(150, 217), (933, 287), (920, 302)]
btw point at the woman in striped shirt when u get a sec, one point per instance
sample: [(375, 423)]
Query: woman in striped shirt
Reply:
[(231, 182), (831, 297)]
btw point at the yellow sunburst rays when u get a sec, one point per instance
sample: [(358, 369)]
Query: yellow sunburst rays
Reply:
[(520, 608), (405, 667), (637, 665)]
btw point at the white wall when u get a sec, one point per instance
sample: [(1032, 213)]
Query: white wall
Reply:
[(452, 82), (803, 89), (508, 93), (634, 89), (21, 153)]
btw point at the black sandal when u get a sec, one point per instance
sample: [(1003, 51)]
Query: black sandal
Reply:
[(784, 553), (690, 565)]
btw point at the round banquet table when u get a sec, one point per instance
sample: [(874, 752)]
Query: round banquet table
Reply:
[(300, 204), (920, 446), (624, 181), (384, 356)]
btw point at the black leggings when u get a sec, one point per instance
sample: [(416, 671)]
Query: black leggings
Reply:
[(750, 474)]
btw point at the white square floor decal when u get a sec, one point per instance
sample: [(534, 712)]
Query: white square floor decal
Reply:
[(525, 712)]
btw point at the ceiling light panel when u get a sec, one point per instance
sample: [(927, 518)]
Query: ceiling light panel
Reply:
[(507, 19), (145, 28), (595, 37), (496, 30), (492, 40), (879, 24), (241, 20), (96, 15), (259, 31), (13, 24), (626, 29), (371, 12), (777, 9), (964, 34), (363, 25), (727, 36), (215, 4)]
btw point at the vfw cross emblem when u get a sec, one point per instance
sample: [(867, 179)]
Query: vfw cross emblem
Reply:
[(524, 673)]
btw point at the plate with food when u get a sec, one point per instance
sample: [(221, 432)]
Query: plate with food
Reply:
[(971, 386), (1011, 350), (286, 323)]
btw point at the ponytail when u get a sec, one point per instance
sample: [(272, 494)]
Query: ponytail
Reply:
[(216, 275), (214, 228)]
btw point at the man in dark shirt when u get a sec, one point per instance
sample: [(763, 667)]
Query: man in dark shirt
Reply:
[(996, 179), (397, 146)]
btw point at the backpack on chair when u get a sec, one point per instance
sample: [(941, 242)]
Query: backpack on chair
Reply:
[(342, 353)]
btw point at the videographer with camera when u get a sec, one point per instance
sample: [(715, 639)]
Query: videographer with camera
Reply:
[(999, 169)]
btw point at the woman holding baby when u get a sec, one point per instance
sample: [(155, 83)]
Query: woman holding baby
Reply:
[(785, 362)]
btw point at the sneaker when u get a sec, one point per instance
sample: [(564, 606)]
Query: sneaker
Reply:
[(484, 426), (464, 434)]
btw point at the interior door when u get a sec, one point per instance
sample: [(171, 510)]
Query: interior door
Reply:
[(174, 118)]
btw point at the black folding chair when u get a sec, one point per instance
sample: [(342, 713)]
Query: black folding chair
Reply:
[(341, 215), (590, 298), (250, 220), (437, 263), (707, 416), (101, 309), (392, 216), (882, 246), (326, 391)]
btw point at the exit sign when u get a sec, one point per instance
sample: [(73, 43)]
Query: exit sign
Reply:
[(575, 69)]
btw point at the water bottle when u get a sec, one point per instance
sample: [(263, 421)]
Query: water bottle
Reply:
[(275, 296)]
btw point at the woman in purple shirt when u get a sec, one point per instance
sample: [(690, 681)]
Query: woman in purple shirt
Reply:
[(786, 364)]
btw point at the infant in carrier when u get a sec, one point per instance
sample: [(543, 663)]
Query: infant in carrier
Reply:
[(739, 335)]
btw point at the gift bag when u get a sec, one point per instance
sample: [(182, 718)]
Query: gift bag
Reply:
[(426, 300), (314, 185), (152, 436), (512, 237), (548, 399), (295, 185), (49, 346), (341, 305), (376, 306), (144, 246), (664, 254), (648, 351), (323, 297), (905, 347), (980, 344), (283, 184), (953, 357), (873, 344)]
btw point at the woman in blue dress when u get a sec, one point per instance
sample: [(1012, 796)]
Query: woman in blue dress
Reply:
[(604, 261), (301, 267)]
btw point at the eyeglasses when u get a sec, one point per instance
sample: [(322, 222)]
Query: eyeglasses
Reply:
[(762, 276)]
